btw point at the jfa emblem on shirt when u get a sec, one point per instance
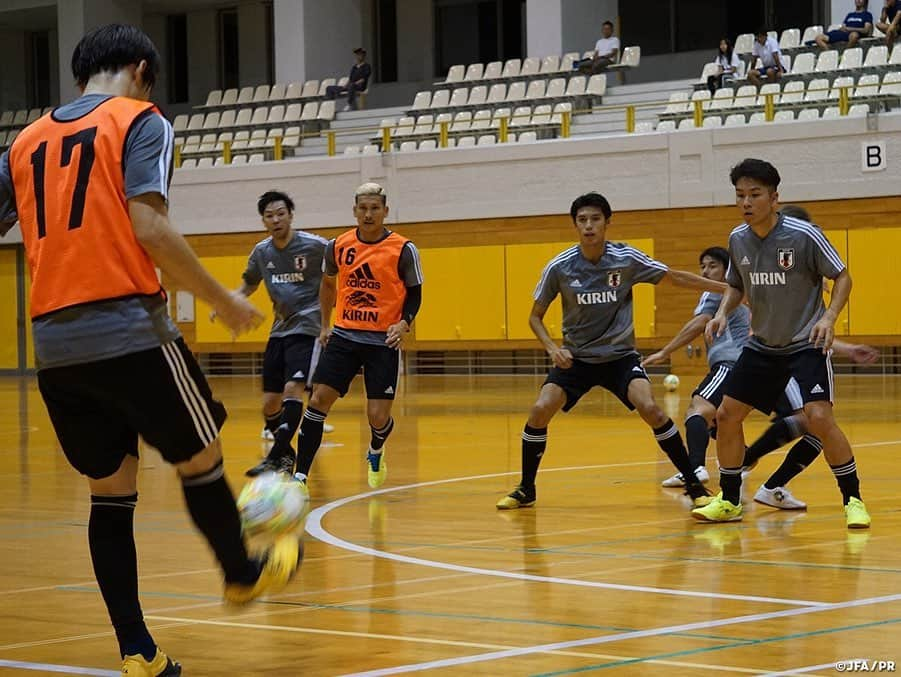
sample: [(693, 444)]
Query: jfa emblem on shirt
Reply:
[(786, 259), (614, 278), (300, 262)]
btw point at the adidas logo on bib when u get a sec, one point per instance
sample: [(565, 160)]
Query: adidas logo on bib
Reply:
[(816, 390), (745, 261), (389, 390)]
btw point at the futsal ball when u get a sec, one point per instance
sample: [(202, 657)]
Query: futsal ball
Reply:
[(671, 382), (272, 504)]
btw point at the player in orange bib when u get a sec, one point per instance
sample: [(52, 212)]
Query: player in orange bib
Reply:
[(372, 277), (89, 186)]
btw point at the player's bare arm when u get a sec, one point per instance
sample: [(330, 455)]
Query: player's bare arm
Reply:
[(689, 332), (328, 293), (731, 299), (823, 332), (169, 250), (686, 280), (244, 290), (561, 357)]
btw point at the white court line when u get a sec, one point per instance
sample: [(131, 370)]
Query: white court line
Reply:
[(809, 668), (315, 529), (621, 637), (65, 669)]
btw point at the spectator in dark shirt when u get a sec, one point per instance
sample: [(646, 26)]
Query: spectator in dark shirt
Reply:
[(857, 24), (889, 20), (357, 82)]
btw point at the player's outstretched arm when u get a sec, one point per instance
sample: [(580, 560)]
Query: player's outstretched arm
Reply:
[(328, 294), (561, 357), (731, 299), (692, 329), (686, 280), (169, 250), (856, 352)]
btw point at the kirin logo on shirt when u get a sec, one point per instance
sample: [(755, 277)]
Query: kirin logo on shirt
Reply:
[(614, 278), (300, 262), (786, 259)]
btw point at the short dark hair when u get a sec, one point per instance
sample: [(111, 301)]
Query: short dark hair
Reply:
[(607, 23), (590, 200), (271, 196), (762, 31), (718, 253), (759, 170), (112, 48), (795, 212)]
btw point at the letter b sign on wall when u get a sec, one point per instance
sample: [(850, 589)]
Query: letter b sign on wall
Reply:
[(872, 156)]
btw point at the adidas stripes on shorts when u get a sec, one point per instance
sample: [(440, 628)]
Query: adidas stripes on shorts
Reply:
[(760, 380), (714, 384), (341, 360), (100, 409)]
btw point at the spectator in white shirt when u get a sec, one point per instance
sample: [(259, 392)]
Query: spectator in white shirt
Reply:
[(606, 52), (767, 50), (728, 65)]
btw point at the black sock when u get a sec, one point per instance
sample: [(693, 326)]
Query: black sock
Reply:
[(670, 441), (799, 457), (379, 435), (730, 484), (309, 440), (212, 507), (273, 421), (112, 542), (534, 442), (698, 437), (292, 410), (781, 432), (848, 483)]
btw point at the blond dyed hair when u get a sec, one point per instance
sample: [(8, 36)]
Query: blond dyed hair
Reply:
[(370, 188)]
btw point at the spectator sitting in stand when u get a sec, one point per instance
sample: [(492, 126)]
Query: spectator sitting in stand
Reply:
[(767, 50), (606, 52), (358, 81), (857, 24), (728, 65)]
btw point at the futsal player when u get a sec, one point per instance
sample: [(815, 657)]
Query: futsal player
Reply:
[(375, 276), (289, 263), (89, 185), (594, 280), (779, 263)]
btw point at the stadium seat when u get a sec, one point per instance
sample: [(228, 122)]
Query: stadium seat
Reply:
[(844, 81), (735, 120), (549, 65), (745, 96), (859, 110), (326, 111), (6, 118), (744, 43), (678, 103), (810, 33), (371, 149), (219, 162), (522, 116), (261, 94), (446, 118), (276, 115), (204, 163), (559, 109), (567, 61), (422, 101), (757, 119), (868, 85), (310, 89), (631, 57), (808, 114), (191, 145), (713, 121), (424, 125), (244, 117), (817, 90), (499, 114), (687, 123), (428, 144), (228, 118), (493, 70), (784, 116), (11, 136), (180, 123), (766, 89), (826, 61), (278, 91), (245, 95), (497, 93), (709, 69), (804, 63), (257, 139), (576, 86), (256, 158), (455, 74), (852, 59), (229, 97), (462, 122), (702, 95), (211, 121), (536, 89), (516, 92), (407, 146), (239, 159), (793, 92), (790, 38), (486, 140), (466, 141), (895, 58), (481, 120), (541, 115), (511, 68), (556, 88), (21, 117), (324, 85), (644, 127), (440, 99), (891, 84), (195, 123), (188, 163), (214, 98), (207, 143), (351, 150), (666, 126), (459, 97), (478, 95), (272, 135), (722, 98), (530, 66), (877, 57), (294, 91), (405, 126), (527, 137), (294, 112), (260, 115), (831, 112), (597, 85), (474, 72)]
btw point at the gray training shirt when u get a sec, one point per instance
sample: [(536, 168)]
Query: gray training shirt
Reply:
[(725, 348), (292, 276), (597, 298), (107, 329), (782, 276), (410, 271)]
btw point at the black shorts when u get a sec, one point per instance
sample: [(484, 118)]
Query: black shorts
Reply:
[(341, 361), (288, 358), (761, 380), (99, 409), (713, 385), (583, 376), (790, 400)]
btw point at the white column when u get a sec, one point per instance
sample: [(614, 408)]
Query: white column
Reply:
[(544, 27), (290, 65)]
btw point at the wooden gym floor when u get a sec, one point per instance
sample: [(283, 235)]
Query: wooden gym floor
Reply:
[(607, 572)]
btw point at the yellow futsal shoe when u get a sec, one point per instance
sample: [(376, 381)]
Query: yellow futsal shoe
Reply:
[(282, 562), (160, 666), (520, 497), (856, 514), (376, 469), (718, 510)]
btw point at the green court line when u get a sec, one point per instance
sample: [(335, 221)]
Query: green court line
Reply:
[(401, 612), (704, 650)]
